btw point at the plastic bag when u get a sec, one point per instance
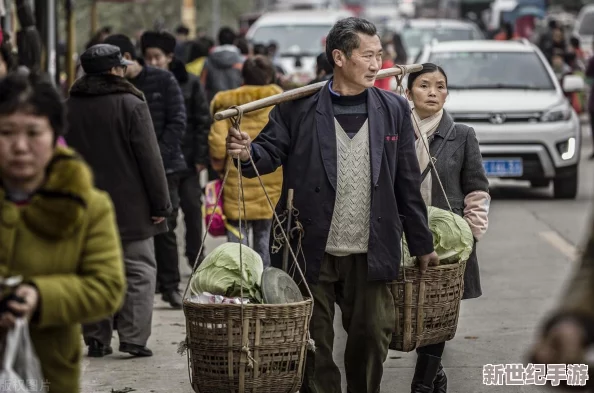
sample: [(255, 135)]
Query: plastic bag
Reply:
[(21, 371)]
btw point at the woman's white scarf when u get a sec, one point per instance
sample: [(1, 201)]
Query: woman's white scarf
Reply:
[(424, 129)]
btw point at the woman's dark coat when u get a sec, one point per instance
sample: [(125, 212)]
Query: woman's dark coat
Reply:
[(300, 136), (460, 168)]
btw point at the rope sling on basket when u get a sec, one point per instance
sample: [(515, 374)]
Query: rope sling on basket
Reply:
[(247, 347), (427, 305)]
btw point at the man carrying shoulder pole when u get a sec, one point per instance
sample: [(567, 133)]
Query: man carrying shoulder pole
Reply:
[(348, 152)]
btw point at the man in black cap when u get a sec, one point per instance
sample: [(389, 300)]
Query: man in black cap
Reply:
[(168, 112), (111, 127), (158, 51)]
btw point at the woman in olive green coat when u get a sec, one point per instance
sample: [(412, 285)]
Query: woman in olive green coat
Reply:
[(56, 231)]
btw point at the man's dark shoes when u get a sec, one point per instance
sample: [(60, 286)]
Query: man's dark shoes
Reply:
[(98, 350), (173, 298), (135, 350)]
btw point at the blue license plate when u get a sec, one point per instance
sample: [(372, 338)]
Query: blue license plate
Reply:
[(504, 167)]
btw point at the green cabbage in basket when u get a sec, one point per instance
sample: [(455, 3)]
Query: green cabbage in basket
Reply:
[(452, 238), (220, 273)]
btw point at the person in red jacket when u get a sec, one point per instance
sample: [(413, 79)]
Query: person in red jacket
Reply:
[(387, 62)]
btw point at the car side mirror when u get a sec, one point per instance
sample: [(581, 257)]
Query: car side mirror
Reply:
[(573, 83)]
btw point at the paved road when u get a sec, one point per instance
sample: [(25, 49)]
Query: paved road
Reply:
[(525, 260)]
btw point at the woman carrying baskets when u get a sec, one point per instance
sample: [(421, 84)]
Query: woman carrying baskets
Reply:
[(459, 168)]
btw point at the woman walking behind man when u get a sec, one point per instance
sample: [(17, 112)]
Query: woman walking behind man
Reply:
[(258, 76), (459, 166)]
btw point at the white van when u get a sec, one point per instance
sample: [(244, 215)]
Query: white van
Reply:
[(300, 36)]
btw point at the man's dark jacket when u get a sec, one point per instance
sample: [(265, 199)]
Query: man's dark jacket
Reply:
[(195, 145), (300, 136), (166, 104), (110, 126)]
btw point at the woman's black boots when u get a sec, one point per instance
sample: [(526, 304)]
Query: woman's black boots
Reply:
[(440, 383), (429, 375)]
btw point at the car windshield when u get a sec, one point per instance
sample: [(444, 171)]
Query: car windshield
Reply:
[(294, 39), (587, 24), (415, 38), (493, 70)]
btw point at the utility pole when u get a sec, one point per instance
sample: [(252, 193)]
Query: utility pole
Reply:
[(94, 17), (216, 17), (71, 37), (188, 16), (45, 15)]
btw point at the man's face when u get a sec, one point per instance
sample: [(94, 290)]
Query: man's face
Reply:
[(361, 67), (157, 58)]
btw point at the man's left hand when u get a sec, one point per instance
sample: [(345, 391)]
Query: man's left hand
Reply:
[(30, 295), (200, 168), (428, 260)]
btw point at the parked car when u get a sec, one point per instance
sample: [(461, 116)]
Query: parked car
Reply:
[(416, 33), (300, 36), (508, 92)]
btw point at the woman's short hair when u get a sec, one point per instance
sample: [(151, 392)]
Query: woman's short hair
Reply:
[(258, 70), (33, 94), (427, 69)]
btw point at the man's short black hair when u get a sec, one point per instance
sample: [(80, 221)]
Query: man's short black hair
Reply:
[(344, 36), (226, 36), (260, 49), (124, 43), (182, 30), (34, 94)]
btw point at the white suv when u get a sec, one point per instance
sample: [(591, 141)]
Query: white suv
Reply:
[(509, 94)]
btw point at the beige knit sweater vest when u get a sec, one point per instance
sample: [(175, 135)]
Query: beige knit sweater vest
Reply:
[(349, 231)]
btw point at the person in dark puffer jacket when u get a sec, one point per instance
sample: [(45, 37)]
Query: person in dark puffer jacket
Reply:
[(168, 112), (158, 49)]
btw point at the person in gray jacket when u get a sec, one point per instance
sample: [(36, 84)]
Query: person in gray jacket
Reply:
[(458, 164), (111, 127), (222, 69)]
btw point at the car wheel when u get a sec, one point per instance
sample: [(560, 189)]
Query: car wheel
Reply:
[(566, 187), (541, 183)]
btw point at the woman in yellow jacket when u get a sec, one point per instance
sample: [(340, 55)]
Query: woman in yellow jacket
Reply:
[(57, 232), (258, 76)]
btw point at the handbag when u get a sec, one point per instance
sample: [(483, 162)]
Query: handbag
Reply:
[(21, 369), (212, 211)]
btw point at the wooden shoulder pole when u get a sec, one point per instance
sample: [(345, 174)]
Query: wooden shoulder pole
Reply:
[(304, 91)]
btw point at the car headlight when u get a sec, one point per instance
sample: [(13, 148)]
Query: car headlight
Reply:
[(558, 113), (567, 149)]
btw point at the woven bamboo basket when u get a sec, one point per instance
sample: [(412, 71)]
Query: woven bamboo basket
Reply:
[(427, 306), (268, 358)]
